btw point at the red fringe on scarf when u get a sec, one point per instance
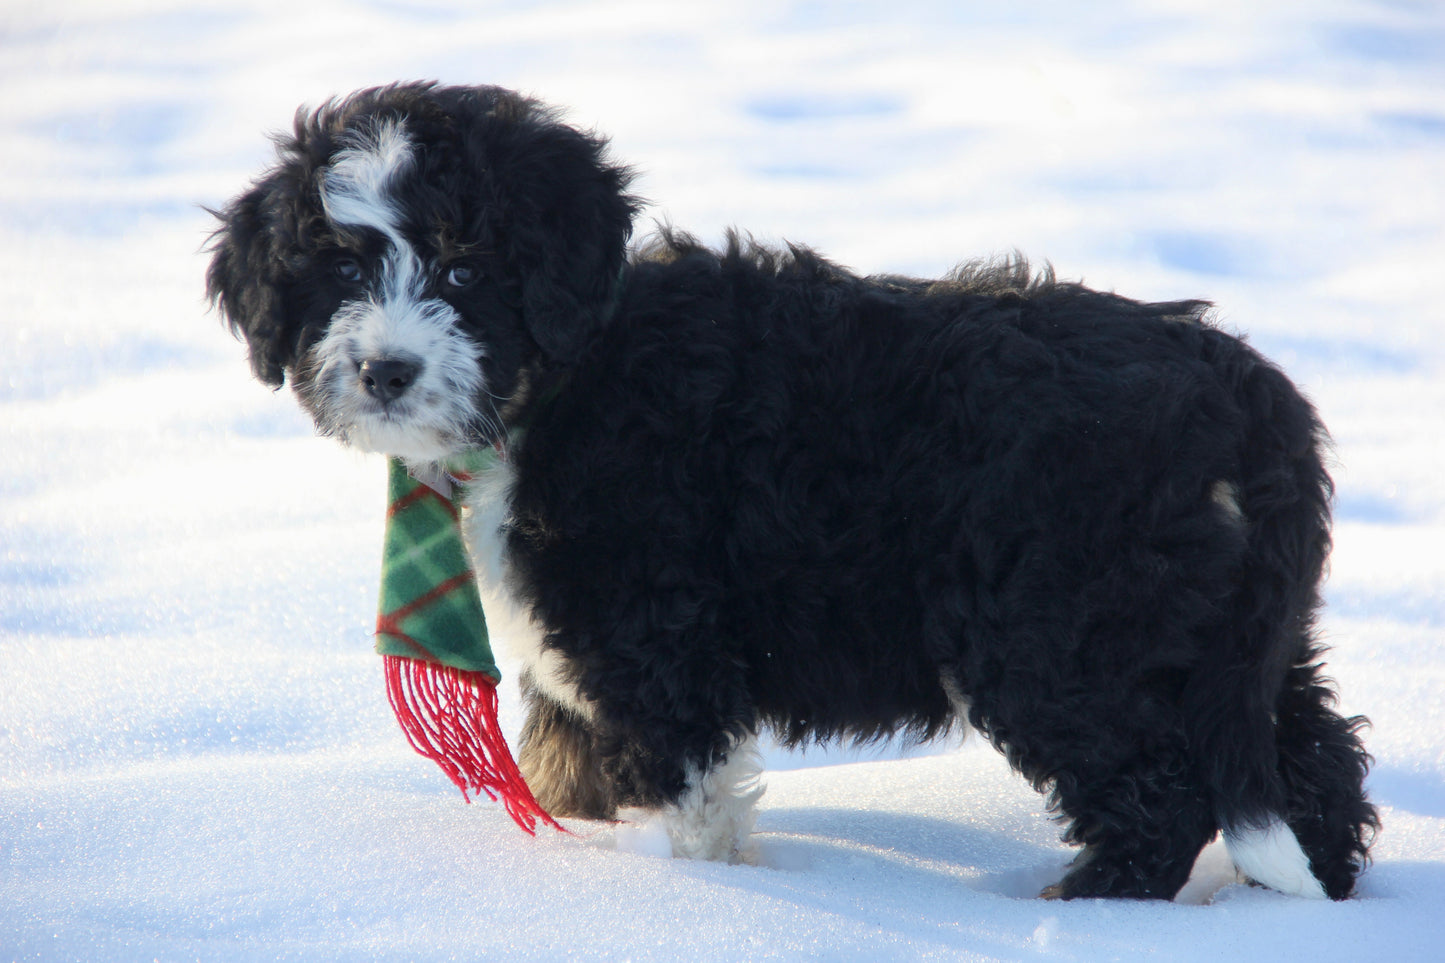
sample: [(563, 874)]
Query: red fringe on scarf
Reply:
[(450, 716)]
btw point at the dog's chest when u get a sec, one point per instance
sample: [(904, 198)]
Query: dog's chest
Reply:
[(514, 632), (487, 507)]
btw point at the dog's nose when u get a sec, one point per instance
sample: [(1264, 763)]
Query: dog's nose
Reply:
[(387, 379)]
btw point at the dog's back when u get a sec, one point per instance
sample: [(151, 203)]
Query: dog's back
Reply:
[(843, 506)]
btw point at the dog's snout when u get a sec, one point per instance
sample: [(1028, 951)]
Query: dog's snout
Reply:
[(387, 379)]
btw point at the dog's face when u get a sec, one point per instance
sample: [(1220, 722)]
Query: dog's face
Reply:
[(414, 252)]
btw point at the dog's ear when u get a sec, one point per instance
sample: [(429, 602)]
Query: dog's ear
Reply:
[(565, 219), (244, 277)]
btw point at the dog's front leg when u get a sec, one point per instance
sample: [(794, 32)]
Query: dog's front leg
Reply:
[(710, 817), (686, 790), (582, 767)]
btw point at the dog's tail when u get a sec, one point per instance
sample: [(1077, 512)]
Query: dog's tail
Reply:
[(1285, 772)]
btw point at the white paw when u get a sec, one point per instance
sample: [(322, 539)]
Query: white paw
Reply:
[(712, 820), (1272, 856)]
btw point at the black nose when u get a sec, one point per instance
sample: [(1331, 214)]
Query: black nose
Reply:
[(386, 379)]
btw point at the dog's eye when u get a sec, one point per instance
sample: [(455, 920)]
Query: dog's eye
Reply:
[(460, 275), (348, 269)]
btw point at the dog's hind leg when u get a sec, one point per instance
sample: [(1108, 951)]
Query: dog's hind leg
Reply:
[(1141, 818), (1290, 795), (1323, 765), (1293, 809), (1271, 755), (1232, 733)]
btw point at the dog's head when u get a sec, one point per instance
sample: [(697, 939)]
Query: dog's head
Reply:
[(415, 249)]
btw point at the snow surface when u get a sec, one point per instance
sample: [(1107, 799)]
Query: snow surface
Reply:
[(196, 756)]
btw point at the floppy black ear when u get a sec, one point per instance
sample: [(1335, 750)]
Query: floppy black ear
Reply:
[(243, 280), (565, 219)]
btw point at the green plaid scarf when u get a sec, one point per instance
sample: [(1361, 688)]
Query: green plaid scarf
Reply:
[(430, 629)]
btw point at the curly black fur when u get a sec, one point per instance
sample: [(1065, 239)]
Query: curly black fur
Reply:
[(500, 184), (757, 490)]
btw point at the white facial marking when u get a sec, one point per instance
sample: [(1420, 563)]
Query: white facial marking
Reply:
[(432, 419), (356, 187), (393, 319), (357, 192)]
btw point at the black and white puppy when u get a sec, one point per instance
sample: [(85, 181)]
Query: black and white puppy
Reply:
[(748, 489)]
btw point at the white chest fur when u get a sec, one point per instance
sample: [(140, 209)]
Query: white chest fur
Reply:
[(513, 631)]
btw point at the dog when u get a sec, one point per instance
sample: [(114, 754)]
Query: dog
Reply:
[(745, 489)]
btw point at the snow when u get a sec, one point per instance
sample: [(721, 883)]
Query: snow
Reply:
[(196, 756)]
